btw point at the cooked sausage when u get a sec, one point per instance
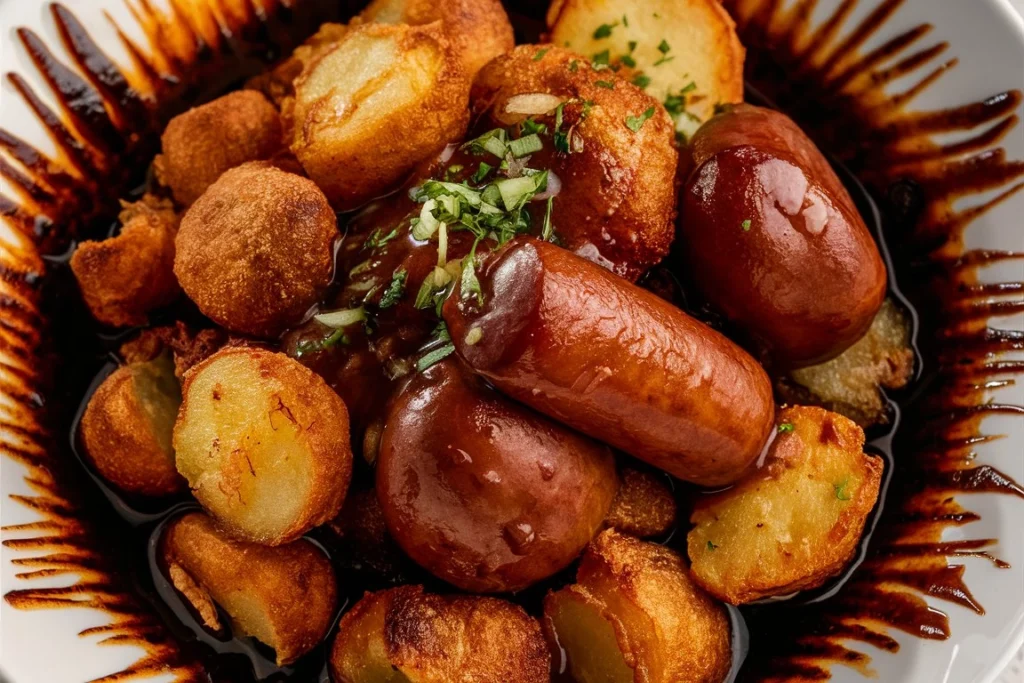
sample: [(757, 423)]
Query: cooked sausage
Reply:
[(773, 240), (584, 346)]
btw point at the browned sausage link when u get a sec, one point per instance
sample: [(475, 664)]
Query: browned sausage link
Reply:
[(616, 362)]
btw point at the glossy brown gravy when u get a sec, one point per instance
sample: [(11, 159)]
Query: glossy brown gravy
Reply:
[(928, 447)]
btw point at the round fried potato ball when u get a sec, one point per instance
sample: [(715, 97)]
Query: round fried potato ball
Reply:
[(202, 143), (284, 596), (126, 428), (404, 635), (257, 250), (263, 443), (380, 101)]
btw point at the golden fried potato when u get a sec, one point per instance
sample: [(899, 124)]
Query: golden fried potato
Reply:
[(126, 428), (617, 198), (186, 345), (644, 505), (404, 635), (278, 83), (257, 250), (479, 29), (851, 383), (263, 443), (123, 278), (794, 523), (634, 616), (686, 52), (376, 104), (202, 143), (284, 596)]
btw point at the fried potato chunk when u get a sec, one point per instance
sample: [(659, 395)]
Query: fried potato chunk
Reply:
[(634, 616), (795, 522), (126, 428), (643, 506), (263, 443), (404, 635), (202, 143), (257, 250), (123, 278), (373, 106), (686, 52), (851, 383), (278, 83), (617, 197), (284, 597)]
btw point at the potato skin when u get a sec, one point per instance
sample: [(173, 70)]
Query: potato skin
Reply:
[(484, 493), (126, 428), (202, 143), (283, 596), (257, 250), (618, 196), (438, 639), (358, 142), (773, 240), (263, 443), (794, 523), (665, 627), (573, 341)]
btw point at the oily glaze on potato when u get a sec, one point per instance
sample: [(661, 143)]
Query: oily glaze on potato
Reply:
[(404, 635), (202, 143), (263, 443), (617, 198), (284, 596), (794, 523), (644, 505), (256, 251), (126, 428), (634, 616), (374, 105)]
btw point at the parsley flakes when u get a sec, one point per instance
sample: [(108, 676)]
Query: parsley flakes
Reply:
[(785, 426), (746, 228), (840, 488), (604, 30), (540, 54), (635, 123), (395, 289), (607, 85)]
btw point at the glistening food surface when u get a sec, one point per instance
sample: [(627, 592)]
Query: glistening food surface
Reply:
[(563, 153)]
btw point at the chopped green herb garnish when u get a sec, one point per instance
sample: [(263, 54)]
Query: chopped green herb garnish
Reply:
[(470, 285), (641, 81), (492, 142), (540, 54), (481, 172), (524, 146), (635, 123), (746, 225), (607, 85), (376, 240), (604, 30), (601, 58), (515, 192), (530, 127), (712, 546), (785, 426), (573, 66), (395, 289), (664, 47), (548, 231), (841, 492), (628, 61), (452, 170), (663, 60), (625, 21), (435, 356), (309, 346), (632, 46), (689, 87)]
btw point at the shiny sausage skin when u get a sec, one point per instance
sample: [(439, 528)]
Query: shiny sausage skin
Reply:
[(576, 342), (774, 242), (483, 492)]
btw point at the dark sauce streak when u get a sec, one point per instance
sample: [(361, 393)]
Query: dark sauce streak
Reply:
[(109, 127)]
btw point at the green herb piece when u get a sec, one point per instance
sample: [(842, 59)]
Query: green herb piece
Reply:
[(604, 30), (492, 142), (539, 55), (395, 290), (427, 224), (785, 427), (470, 285), (547, 233), (342, 318), (573, 66), (688, 88), (531, 127), (625, 21), (746, 225), (524, 146), (841, 492), (491, 195), (601, 59), (635, 123), (628, 61), (515, 192), (309, 346), (607, 85), (712, 546), (435, 356), (376, 240), (431, 287), (641, 81), (632, 46), (663, 60), (440, 332), (481, 172), (664, 47), (452, 170)]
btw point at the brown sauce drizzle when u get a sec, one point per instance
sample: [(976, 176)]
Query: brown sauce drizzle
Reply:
[(108, 128)]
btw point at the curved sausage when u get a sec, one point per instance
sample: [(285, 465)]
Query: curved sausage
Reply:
[(773, 240), (614, 361)]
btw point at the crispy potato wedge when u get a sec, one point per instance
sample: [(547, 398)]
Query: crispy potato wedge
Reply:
[(794, 523), (851, 383), (404, 635), (634, 616), (126, 428), (643, 506), (263, 443), (374, 105), (284, 596), (678, 43)]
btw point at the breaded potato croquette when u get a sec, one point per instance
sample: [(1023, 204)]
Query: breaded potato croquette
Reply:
[(376, 104), (634, 616), (795, 522), (284, 597), (617, 170), (643, 506), (404, 635), (263, 443), (202, 143), (257, 250), (127, 425), (123, 278)]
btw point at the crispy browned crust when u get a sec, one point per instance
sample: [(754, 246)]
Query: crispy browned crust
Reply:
[(667, 629), (280, 395), (188, 346), (794, 523), (644, 505), (619, 191), (257, 250), (278, 83), (290, 589), (123, 278), (439, 639), (202, 143)]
